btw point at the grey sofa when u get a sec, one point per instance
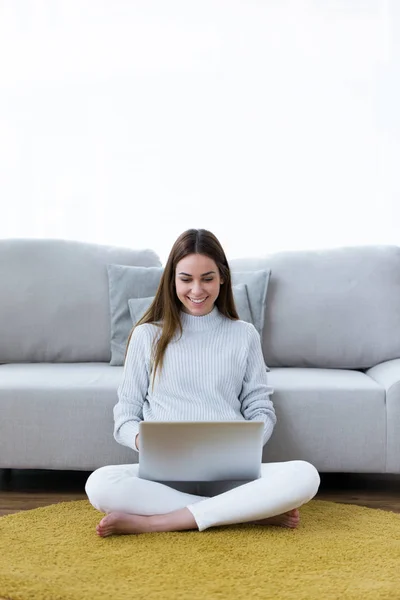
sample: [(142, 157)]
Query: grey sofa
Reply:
[(331, 340)]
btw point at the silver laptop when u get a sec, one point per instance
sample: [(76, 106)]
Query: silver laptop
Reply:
[(200, 450)]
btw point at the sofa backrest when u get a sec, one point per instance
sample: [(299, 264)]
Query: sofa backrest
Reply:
[(335, 308), (54, 301)]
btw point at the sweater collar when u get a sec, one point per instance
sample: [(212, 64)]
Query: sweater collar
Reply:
[(201, 323)]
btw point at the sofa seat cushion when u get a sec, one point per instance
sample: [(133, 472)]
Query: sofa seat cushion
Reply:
[(336, 415), (58, 416), (71, 378)]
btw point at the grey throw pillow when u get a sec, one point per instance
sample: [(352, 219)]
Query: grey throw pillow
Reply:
[(125, 283), (137, 308), (141, 283)]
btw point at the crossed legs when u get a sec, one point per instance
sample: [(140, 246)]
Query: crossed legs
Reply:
[(136, 505)]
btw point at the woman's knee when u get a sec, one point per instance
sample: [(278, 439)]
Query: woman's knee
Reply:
[(95, 485), (309, 477), (99, 484)]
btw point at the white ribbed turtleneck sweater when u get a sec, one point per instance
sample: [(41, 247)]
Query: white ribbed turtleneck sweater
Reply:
[(214, 372)]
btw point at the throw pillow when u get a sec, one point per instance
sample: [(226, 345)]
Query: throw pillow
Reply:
[(133, 283)]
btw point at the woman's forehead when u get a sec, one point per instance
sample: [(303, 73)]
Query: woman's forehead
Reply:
[(196, 264)]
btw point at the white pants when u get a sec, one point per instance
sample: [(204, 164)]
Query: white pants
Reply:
[(281, 487)]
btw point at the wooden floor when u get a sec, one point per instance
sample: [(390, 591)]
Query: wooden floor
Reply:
[(27, 489)]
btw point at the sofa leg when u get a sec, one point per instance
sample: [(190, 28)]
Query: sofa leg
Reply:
[(7, 476)]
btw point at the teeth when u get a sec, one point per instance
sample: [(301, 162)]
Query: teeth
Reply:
[(197, 301)]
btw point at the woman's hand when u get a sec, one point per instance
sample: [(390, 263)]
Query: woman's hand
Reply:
[(137, 441)]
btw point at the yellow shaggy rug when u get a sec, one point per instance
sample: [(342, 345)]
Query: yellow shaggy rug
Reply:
[(338, 551)]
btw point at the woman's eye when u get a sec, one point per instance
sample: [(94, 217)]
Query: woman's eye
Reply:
[(188, 280)]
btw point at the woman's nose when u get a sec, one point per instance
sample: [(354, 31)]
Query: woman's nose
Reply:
[(196, 288)]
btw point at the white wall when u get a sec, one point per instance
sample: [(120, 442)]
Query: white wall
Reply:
[(273, 123)]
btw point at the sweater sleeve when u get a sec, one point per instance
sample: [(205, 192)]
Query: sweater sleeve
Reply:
[(254, 396), (132, 392)]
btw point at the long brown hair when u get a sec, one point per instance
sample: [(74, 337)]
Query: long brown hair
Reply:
[(166, 306)]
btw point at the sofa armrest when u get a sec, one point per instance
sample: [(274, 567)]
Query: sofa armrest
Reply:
[(387, 374)]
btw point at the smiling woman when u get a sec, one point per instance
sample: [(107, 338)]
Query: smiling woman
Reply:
[(190, 358)]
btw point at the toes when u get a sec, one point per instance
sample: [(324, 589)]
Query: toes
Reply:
[(103, 532), (102, 529)]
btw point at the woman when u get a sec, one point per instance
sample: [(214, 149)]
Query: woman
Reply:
[(191, 358)]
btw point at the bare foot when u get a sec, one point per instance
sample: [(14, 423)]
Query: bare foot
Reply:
[(289, 519), (124, 523), (119, 523)]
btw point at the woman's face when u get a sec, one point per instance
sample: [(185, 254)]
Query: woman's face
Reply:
[(197, 282)]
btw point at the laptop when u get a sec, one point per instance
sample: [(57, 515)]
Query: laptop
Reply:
[(200, 450)]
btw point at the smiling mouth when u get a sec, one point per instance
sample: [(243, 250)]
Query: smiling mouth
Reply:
[(198, 302)]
